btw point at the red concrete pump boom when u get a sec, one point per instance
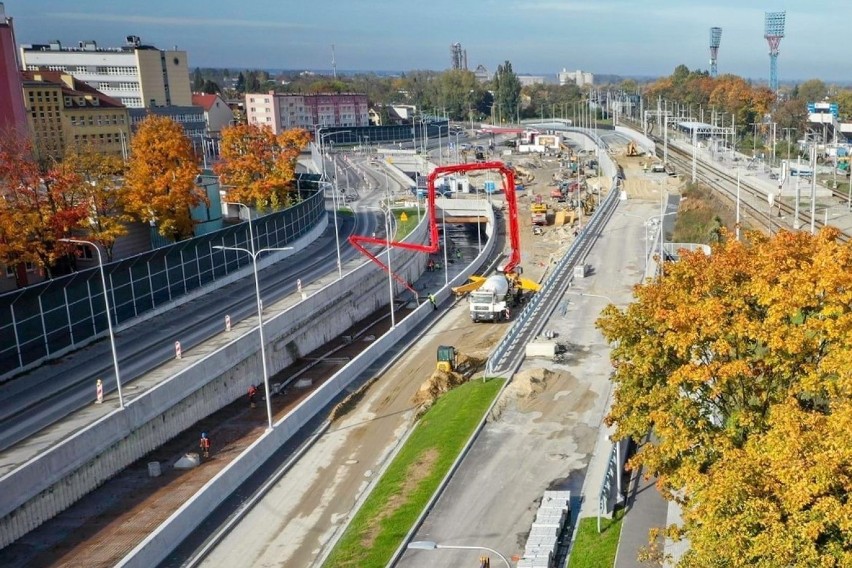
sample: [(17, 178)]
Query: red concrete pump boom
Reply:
[(359, 241)]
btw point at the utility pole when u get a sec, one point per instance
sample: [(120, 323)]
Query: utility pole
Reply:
[(754, 140), (813, 189), (733, 136), (796, 223), (666, 134)]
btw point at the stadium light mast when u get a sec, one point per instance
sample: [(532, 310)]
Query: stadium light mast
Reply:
[(773, 33), (715, 40)]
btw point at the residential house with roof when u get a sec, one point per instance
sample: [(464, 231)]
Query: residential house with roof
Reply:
[(217, 113)]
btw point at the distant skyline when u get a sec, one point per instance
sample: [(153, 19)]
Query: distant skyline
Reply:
[(539, 37)]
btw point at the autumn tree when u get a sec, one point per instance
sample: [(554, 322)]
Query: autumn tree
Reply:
[(729, 94), (160, 178), (740, 363), (103, 191), (38, 207), (259, 166)]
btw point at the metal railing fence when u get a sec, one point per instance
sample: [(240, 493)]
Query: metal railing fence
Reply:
[(47, 319)]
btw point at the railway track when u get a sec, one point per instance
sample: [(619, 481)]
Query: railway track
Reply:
[(725, 183), (509, 354)]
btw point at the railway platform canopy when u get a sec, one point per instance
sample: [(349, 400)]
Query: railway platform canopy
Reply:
[(703, 130)]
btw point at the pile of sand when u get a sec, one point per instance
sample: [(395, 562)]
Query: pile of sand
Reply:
[(441, 381), (528, 384), (525, 387)]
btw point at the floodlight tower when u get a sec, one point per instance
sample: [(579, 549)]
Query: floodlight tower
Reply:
[(773, 33), (715, 39)]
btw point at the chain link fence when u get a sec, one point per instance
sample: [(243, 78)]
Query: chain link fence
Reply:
[(45, 320)]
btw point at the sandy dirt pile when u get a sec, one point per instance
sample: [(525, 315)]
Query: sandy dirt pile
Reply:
[(524, 388), (528, 384), (441, 381)]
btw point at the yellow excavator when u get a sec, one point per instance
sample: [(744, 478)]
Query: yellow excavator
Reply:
[(446, 358), (632, 150)]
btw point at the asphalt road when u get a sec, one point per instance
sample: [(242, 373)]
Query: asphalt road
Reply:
[(541, 440), (52, 391)]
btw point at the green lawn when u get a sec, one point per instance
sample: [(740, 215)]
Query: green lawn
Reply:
[(593, 550), (400, 495), (403, 228)]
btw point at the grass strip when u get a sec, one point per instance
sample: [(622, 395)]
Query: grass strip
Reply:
[(593, 550), (403, 228), (406, 486)]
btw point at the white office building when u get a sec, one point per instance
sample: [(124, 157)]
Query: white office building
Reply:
[(137, 75), (579, 78)]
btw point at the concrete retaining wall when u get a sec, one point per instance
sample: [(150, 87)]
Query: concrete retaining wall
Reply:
[(398, 174), (646, 143), (43, 487), (159, 544)]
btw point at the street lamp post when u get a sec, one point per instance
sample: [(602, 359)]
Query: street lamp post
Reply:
[(388, 214), (254, 254), (333, 196), (444, 230), (647, 225), (430, 545), (108, 316), (440, 150), (248, 214), (458, 159)]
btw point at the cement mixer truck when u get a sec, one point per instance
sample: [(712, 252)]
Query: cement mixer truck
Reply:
[(491, 301)]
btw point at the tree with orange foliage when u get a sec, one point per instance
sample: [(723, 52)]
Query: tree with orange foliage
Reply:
[(740, 363), (100, 180), (37, 208), (160, 178), (729, 93), (259, 166)]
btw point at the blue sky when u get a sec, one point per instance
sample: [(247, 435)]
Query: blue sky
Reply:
[(624, 37)]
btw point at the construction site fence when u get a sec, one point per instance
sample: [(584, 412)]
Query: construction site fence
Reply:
[(49, 319)]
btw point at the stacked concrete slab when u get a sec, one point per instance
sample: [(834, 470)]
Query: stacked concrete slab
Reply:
[(546, 531)]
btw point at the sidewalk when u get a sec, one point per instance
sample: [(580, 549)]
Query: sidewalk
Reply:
[(645, 509)]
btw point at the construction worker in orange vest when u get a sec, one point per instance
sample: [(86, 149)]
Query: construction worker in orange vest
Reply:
[(204, 445)]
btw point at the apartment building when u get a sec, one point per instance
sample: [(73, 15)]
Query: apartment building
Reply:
[(134, 74), (310, 111), (63, 112), (579, 78)]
